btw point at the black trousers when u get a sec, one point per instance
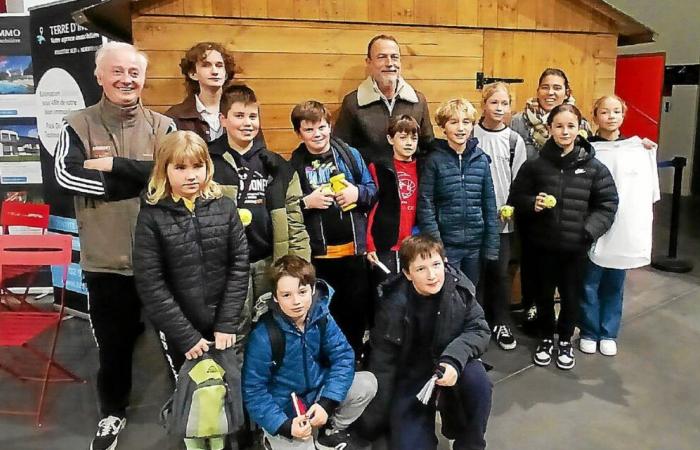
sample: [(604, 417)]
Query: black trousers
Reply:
[(351, 305), (413, 424), (528, 282), (115, 317), (494, 292), (563, 270)]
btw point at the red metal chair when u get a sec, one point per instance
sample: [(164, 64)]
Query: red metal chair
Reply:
[(17, 328), (14, 214)]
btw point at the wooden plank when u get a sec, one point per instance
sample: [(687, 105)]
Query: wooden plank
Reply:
[(164, 64), (256, 9), (467, 13), (164, 91), (507, 13), (198, 8), (380, 11), (488, 13), (603, 86), (604, 67), (174, 7), (545, 15), (306, 9), (179, 35), (332, 9), (446, 13), (527, 14), (425, 12), (357, 10), (402, 11), (603, 45), (228, 8), (280, 9)]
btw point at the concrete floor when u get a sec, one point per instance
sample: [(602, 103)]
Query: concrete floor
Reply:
[(646, 398)]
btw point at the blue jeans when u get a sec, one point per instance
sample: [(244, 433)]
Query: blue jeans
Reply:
[(468, 261), (601, 308)]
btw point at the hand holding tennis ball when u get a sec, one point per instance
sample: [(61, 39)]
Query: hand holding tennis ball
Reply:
[(544, 200), (245, 215), (506, 212)]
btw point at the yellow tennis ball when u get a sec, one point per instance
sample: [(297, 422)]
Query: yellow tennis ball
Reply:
[(506, 211), (245, 215), (550, 201)]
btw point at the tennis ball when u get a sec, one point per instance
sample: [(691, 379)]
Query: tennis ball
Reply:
[(506, 212), (550, 201), (245, 215)]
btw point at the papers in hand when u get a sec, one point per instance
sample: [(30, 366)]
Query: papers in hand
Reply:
[(427, 392), (384, 268)]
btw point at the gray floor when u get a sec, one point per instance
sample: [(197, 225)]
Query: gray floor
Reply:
[(645, 398)]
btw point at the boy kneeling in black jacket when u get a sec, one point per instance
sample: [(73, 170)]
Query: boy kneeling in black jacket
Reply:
[(428, 322)]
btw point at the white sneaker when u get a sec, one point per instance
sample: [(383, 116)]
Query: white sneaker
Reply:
[(608, 347), (588, 345)]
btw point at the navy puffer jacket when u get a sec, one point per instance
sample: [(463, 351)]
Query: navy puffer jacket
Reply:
[(313, 365), (191, 269), (585, 193), (457, 203)]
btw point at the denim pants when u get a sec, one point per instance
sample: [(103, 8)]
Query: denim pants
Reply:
[(468, 261), (413, 423), (601, 308)]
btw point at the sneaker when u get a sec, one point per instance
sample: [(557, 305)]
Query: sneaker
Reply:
[(504, 337), (107, 433), (334, 439), (543, 353), (587, 345), (608, 347), (531, 314), (565, 355)]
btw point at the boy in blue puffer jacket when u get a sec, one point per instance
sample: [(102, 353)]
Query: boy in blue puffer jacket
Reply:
[(456, 202), (316, 365)]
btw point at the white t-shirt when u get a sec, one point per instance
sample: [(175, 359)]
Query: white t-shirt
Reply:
[(628, 242), (211, 118), (496, 144)]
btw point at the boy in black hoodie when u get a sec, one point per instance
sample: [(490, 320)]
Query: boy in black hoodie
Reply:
[(265, 188)]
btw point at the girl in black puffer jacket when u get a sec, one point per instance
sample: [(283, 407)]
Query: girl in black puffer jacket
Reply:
[(190, 252), (562, 228)]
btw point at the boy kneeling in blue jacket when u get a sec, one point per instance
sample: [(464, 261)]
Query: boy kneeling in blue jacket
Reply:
[(317, 366)]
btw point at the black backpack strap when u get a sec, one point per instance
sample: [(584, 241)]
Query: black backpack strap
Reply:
[(512, 143), (277, 342), (346, 155)]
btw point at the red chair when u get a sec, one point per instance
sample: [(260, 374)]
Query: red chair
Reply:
[(34, 215), (17, 328)]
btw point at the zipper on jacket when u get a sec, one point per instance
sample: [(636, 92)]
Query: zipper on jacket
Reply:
[(303, 355), (559, 201), (195, 223)]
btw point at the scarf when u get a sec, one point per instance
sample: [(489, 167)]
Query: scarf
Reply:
[(536, 119)]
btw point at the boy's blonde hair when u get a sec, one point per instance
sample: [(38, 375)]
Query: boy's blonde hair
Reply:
[(491, 89), (451, 108), (598, 103), (178, 147)]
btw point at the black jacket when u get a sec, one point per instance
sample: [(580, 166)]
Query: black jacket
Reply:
[(461, 334), (191, 269), (585, 193)]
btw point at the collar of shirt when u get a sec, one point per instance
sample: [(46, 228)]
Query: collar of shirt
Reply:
[(189, 204), (211, 118)]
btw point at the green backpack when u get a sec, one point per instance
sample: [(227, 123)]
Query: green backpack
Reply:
[(207, 401)]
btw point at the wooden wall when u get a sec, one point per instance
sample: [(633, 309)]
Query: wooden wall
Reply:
[(319, 56)]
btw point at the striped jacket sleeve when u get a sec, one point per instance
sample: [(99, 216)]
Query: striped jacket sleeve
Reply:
[(68, 166)]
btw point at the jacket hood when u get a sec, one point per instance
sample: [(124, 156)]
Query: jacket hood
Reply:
[(220, 146), (169, 204), (453, 275), (583, 151), (472, 151), (320, 303)]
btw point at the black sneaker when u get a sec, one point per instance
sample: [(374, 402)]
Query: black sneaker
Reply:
[(543, 353), (504, 337), (333, 439), (565, 355), (107, 433)]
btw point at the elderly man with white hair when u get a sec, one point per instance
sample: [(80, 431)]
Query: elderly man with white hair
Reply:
[(103, 158)]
